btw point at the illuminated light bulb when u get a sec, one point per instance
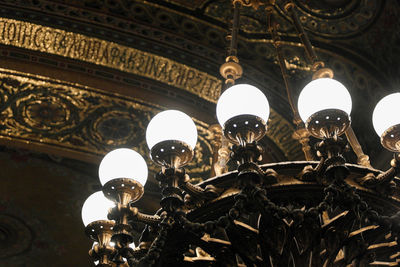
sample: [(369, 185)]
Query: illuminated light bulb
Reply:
[(123, 163), (242, 99), (96, 208), (386, 113), (171, 125), (322, 94)]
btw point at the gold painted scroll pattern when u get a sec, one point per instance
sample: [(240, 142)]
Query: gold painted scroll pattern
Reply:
[(65, 116), (84, 119)]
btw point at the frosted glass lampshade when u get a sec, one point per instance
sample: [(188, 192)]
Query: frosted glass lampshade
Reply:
[(123, 163), (386, 113), (321, 94), (242, 99), (171, 125), (96, 208)]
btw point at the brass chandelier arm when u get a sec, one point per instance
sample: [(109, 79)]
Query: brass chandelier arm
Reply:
[(182, 181), (136, 215), (191, 189), (311, 174), (197, 192), (383, 182)]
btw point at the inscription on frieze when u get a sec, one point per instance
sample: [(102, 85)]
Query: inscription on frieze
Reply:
[(89, 49), (78, 46)]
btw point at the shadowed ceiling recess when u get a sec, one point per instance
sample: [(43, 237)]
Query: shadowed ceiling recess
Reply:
[(320, 212)]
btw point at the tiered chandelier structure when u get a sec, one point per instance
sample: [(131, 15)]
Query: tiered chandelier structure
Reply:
[(308, 213)]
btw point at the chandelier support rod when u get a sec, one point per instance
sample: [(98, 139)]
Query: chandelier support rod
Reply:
[(362, 158), (231, 69), (272, 27), (235, 28), (301, 134), (311, 55)]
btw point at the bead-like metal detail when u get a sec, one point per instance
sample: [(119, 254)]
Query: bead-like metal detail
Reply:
[(390, 138), (328, 123), (97, 228), (123, 190), (171, 153), (245, 128)]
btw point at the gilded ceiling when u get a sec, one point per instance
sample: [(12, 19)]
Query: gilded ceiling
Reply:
[(79, 78)]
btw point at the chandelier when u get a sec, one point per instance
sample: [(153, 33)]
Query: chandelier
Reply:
[(324, 212)]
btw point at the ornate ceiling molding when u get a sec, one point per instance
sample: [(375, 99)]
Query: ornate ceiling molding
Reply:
[(327, 19), (195, 38), (84, 123)]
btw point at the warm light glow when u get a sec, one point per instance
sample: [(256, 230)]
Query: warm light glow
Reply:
[(123, 163), (386, 113), (242, 99), (96, 208), (112, 244), (171, 125), (321, 94)]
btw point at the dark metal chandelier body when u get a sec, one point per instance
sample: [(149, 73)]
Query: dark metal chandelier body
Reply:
[(306, 213)]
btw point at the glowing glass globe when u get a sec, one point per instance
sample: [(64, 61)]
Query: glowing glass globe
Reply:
[(96, 208), (242, 99), (321, 94), (123, 163), (171, 125), (386, 113)]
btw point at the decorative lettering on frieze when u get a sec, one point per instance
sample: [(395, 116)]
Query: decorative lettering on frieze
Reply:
[(89, 49)]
